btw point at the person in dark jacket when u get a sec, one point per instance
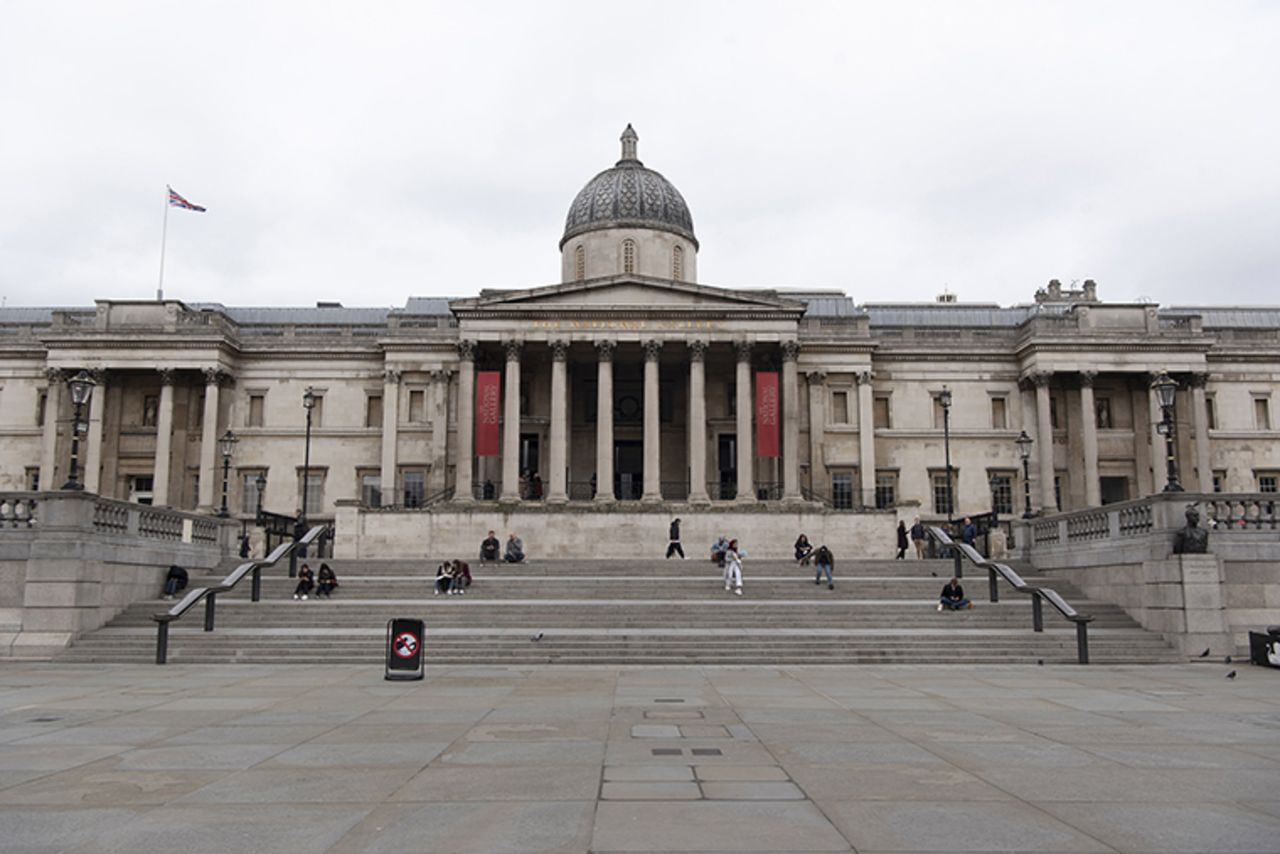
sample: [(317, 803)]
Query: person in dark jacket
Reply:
[(902, 541), (326, 581), (952, 598), (968, 531), (244, 545), (919, 538), (803, 550), (175, 580), (674, 547), (306, 583), (461, 577), (444, 578), (823, 561), (490, 547), (515, 550)]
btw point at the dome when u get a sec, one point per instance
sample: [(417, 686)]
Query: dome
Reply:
[(628, 196)]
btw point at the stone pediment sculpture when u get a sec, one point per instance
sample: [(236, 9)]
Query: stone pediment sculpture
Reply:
[(1192, 539)]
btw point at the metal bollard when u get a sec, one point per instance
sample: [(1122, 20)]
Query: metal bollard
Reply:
[(957, 558), (992, 585), (1037, 615), (162, 642), (1082, 642), (256, 589), (209, 604)]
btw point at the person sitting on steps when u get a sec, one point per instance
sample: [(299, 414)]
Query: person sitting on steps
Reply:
[(461, 577), (489, 548), (444, 578), (803, 550), (952, 598), (174, 581), (306, 582), (326, 581), (515, 550)]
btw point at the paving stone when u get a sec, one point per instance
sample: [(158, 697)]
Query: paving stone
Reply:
[(655, 731), (740, 773), (649, 791), (303, 786), (483, 828), (41, 829), (44, 757), (322, 754), (1173, 827), (753, 791), (647, 773), (713, 826), (526, 753), (209, 756), (703, 731), (977, 826), (100, 784), (439, 783), (890, 782)]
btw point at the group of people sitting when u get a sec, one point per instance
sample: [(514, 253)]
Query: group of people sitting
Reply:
[(490, 548), (323, 585), (452, 578), (823, 561)]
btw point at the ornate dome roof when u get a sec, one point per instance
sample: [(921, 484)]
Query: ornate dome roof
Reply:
[(628, 196)]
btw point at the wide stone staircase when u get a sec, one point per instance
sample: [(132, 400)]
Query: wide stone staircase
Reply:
[(627, 611)]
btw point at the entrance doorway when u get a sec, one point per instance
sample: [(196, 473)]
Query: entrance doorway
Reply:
[(727, 463), (529, 454), (628, 470)]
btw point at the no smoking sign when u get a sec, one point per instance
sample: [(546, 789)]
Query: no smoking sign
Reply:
[(405, 645)]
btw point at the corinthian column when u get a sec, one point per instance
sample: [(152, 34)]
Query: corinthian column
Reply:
[(208, 441), (558, 492), (817, 427), (1044, 441), (511, 425), (1089, 439), (697, 422), (652, 424), (604, 421), (466, 417), (164, 440), (440, 380), (790, 422), (746, 454), (867, 440), (1200, 421)]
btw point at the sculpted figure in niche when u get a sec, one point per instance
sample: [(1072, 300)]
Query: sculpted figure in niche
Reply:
[(1191, 540)]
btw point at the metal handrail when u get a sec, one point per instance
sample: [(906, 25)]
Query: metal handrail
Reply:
[(210, 594), (1036, 592)]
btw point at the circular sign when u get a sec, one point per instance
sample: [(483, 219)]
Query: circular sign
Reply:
[(405, 644)]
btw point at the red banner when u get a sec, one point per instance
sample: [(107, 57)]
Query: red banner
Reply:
[(488, 409), (767, 414)]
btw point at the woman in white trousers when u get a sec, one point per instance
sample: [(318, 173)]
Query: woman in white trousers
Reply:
[(733, 568)]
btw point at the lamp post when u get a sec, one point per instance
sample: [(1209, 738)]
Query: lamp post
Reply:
[(227, 444), (81, 390), (261, 482), (1166, 388), (1024, 443), (944, 398), (309, 404)]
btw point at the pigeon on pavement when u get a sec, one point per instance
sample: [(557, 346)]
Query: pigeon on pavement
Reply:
[(1231, 675)]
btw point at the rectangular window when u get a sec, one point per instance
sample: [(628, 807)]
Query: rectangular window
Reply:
[(880, 407), (1058, 487), (373, 410), (839, 407), (415, 488), (370, 489), (1268, 480), (1220, 481), (257, 405), (249, 491), (417, 406), (141, 488), (842, 490), (942, 492), (1102, 413), (1262, 413), (886, 490), (42, 403), (1002, 493), (33, 478), (999, 413), (314, 489), (150, 410), (1211, 412)]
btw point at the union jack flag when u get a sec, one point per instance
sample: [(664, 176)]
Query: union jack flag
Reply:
[(177, 201)]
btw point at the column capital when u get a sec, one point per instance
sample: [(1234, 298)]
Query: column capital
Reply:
[(1086, 378), (167, 375), (55, 376), (99, 376), (1040, 379), (652, 350), (743, 349), (391, 377), (816, 377), (466, 351), (1199, 379), (604, 349), (864, 377), (697, 350), (513, 349), (441, 375), (212, 376), (559, 350), (790, 350)]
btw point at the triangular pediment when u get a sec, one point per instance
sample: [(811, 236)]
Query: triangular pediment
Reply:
[(629, 292)]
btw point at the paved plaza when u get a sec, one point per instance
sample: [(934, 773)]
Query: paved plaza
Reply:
[(488, 759)]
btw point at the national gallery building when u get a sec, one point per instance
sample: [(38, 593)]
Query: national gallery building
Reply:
[(630, 384)]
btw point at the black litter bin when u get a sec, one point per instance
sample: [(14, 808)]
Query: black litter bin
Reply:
[(404, 649), (1264, 650)]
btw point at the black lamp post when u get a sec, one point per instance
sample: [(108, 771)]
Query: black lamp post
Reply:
[(309, 403), (944, 398), (227, 444), (261, 482), (1024, 450), (81, 390), (1166, 388)]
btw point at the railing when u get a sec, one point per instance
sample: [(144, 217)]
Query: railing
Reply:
[(995, 571), (810, 495), (409, 499), (110, 517), (488, 490), (718, 491), (768, 490), (1242, 513), (209, 595), (675, 490), (20, 511)]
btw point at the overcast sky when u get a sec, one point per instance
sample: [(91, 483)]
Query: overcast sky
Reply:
[(366, 152)]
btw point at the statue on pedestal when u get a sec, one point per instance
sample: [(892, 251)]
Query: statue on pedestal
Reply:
[(1191, 540)]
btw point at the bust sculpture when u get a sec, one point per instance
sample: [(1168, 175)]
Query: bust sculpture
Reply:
[(1191, 540)]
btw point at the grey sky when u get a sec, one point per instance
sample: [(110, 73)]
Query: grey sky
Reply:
[(366, 152)]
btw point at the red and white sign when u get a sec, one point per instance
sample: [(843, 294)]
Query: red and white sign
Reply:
[(767, 414), (488, 411), (405, 644)]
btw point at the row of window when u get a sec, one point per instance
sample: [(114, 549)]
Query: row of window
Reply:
[(628, 261)]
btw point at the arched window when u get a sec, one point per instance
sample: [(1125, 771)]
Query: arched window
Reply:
[(579, 263), (677, 263), (628, 256)]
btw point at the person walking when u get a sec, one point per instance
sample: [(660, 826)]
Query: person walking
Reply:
[(674, 547), (919, 537), (733, 568), (823, 561), (902, 540)]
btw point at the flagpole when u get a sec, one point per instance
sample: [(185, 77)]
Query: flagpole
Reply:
[(164, 235)]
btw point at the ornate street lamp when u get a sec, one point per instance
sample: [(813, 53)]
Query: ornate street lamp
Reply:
[(227, 444), (1024, 443), (261, 482), (1166, 389), (944, 398), (81, 386), (309, 398)]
